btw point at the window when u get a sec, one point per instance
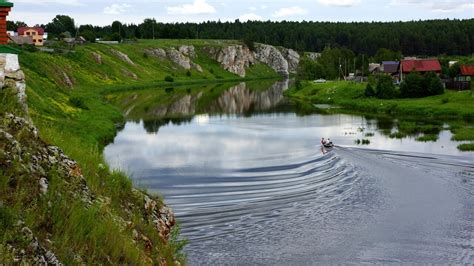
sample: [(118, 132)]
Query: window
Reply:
[(40, 40), (28, 33), (33, 33), (34, 41)]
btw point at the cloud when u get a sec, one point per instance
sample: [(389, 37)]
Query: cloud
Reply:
[(250, 16), (340, 3), (443, 6), (289, 11), (45, 2), (197, 7), (116, 9)]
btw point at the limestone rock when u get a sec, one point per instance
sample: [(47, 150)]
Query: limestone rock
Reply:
[(182, 59), (129, 73), (123, 57), (12, 64), (273, 58), (97, 58), (235, 58), (313, 56), (188, 50), (156, 52), (67, 80), (43, 185), (293, 59)]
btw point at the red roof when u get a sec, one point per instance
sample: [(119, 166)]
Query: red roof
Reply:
[(21, 30), (421, 65), (467, 70)]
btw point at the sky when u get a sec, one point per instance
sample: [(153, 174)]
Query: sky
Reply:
[(104, 12)]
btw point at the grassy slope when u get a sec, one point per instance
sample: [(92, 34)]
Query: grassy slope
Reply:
[(457, 107), (82, 133)]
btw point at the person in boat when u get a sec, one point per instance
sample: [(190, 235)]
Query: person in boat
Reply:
[(323, 142), (329, 143)]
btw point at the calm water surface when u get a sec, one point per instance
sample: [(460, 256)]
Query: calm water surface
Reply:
[(256, 189)]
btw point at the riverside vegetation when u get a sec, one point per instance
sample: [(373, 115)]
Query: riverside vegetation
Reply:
[(80, 211)]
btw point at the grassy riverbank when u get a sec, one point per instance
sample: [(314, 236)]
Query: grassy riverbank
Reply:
[(67, 104), (457, 107)]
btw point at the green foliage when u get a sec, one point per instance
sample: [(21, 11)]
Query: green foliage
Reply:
[(60, 25), (384, 54), (188, 73), (466, 147), (78, 102), (427, 138), (412, 86), (369, 91), (417, 86), (385, 88), (248, 40), (169, 79)]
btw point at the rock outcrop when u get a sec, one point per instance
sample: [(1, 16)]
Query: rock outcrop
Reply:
[(13, 77), (273, 58), (293, 59), (313, 56), (97, 58), (123, 57), (235, 58), (183, 106), (182, 56)]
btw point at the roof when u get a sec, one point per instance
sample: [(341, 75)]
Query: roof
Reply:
[(421, 65), (22, 30), (390, 66), (467, 70), (374, 67), (22, 39)]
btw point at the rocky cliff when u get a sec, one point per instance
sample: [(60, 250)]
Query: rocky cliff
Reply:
[(235, 58), (42, 190)]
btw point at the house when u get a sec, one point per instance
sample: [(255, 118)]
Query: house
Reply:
[(420, 65), (374, 68), (390, 67), (37, 33), (467, 73)]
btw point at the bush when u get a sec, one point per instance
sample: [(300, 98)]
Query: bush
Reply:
[(417, 86), (145, 55), (188, 73), (369, 91), (385, 88), (169, 79), (169, 90), (212, 71), (433, 84)]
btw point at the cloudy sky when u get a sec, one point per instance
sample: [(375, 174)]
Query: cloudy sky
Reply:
[(103, 12)]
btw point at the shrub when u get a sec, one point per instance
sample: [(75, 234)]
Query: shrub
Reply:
[(169, 90), (445, 100), (385, 88), (433, 84), (369, 91), (145, 55), (212, 71), (412, 86), (188, 73), (417, 86), (169, 79), (188, 90)]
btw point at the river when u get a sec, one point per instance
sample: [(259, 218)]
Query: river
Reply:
[(249, 183)]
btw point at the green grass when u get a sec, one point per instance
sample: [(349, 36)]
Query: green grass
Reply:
[(427, 138), (463, 134), (351, 96), (466, 147)]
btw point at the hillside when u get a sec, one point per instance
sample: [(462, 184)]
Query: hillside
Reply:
[(59, 202)]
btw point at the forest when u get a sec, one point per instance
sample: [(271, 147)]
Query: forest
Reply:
[(429, 38)]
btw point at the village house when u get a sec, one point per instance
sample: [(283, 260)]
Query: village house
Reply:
[(37, 33), (421, 66), (467, 73)]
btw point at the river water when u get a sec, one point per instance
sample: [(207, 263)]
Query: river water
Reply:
[(258, 189)]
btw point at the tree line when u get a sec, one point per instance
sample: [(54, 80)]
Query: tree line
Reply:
[(430, 37)]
